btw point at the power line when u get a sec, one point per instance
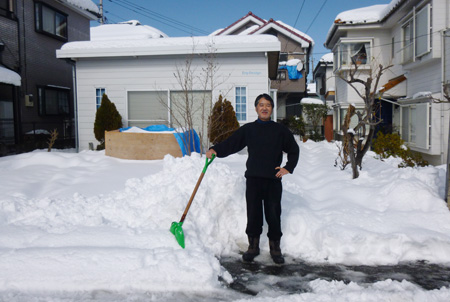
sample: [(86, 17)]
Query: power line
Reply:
[(315, 17), (378, 45), (298, 15), (157, 17)]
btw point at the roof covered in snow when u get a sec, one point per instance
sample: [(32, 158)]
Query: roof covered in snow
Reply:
[(8, 76), (84, 4), (129, 30), (364, 15), (328, 58), (312, 101), (262, 26), (168, 46)]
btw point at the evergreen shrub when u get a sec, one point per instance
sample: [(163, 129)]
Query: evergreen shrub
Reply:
[(222, 122), (107, 118), (391, 144), (297, 125)]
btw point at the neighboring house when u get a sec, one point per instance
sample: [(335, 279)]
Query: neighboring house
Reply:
[(36, 89), (324, 84), (410, 35), (324, 79), (144, 76), (296, 47)]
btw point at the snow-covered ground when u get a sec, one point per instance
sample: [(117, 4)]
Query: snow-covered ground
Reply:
[(87, 227)]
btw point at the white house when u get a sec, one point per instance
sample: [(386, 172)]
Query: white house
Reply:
[(410, 35), (145, 74)]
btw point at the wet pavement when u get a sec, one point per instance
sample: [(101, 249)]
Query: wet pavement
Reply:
[(294, 275)]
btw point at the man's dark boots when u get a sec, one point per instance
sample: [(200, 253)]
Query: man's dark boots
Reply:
[(253, 249), (275, 252)]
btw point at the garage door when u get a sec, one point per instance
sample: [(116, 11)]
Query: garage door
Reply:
[(147, 108)]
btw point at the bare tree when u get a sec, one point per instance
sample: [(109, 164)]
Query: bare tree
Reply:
[(51, 141), (357, 140), (192, 107)]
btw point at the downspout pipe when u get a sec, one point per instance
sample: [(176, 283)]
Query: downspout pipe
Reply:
[(75, 103)]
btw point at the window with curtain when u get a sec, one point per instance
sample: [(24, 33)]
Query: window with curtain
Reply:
[(349, 53)]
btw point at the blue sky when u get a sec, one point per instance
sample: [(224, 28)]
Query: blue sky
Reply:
[(186, 18)]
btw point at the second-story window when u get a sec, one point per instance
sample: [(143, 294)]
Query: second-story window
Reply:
[(7, 8), (416, 35), (50, 21), (351, 53)]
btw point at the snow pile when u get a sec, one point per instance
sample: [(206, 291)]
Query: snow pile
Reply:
[(87, 222), (374, 13), (129, 30), (327, 58), (422, 94), (9, 77), (311, 101), (85, 4)]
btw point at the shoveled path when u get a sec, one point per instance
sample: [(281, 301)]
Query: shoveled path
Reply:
[(294, 275)]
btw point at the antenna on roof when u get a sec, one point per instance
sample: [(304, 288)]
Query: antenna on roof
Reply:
[(102, 18)]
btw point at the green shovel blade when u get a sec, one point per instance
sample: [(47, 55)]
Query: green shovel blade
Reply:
[(177, 230)]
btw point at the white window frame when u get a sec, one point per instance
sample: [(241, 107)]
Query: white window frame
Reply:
[(411, 48), (238, 108), (342, 49), (98, 98), (415, 125)]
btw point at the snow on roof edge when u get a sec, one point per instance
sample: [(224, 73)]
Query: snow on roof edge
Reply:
[(169, 46), (366, 15), (85, 5), (8, 76)]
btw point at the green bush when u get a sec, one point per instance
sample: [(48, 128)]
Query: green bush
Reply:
[(222, 122), (315, 114), (107, 118), (297, 125), (391, 144)]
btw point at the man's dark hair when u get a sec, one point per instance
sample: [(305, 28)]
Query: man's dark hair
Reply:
[(264, 96)]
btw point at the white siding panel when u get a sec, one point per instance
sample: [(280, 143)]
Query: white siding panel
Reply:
[(425, 78)]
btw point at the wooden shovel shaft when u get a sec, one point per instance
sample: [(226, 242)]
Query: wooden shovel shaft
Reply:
[(192, 197)]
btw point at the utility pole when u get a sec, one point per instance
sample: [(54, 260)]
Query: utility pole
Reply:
[(102, 18)]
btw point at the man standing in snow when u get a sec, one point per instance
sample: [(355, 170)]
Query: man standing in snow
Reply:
[(265, 141)]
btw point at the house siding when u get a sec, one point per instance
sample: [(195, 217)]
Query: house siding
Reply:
[(121, 75)]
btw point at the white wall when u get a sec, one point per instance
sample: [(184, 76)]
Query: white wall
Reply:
[(427, 77), (120, 75)]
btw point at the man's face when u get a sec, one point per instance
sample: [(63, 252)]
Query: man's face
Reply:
[(264, 109)]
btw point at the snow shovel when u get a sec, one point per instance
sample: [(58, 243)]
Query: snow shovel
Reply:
[(176, 227)]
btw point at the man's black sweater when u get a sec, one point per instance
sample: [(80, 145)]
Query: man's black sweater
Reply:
[(265, 142)]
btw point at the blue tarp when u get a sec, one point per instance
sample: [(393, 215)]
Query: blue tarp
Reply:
[(293, 73), (180, 137)]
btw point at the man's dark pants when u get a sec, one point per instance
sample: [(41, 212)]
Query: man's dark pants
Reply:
[(267, 192)]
